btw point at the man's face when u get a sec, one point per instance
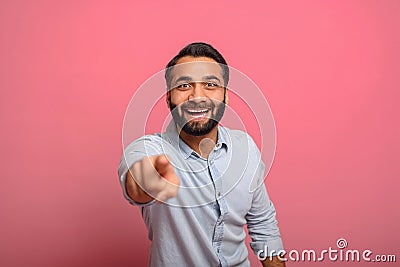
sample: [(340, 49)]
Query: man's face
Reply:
[(197, 98)]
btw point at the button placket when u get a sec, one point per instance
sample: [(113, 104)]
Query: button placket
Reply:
[(219, 227)]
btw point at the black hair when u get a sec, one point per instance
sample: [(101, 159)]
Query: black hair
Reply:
[(198, 49)]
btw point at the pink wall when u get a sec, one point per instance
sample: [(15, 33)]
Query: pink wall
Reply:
[(329, 69)]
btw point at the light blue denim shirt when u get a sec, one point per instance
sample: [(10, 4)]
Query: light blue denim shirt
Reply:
[(204, 224)]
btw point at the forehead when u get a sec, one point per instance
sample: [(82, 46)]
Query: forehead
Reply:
[(197, 68)]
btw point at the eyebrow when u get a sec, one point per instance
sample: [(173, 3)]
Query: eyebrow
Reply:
[(211, 77), (188, 78), (184, 78)]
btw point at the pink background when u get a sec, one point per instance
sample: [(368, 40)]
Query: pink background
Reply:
[(329, 69)]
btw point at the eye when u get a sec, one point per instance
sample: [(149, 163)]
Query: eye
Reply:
[(183, 86), (211, 85)]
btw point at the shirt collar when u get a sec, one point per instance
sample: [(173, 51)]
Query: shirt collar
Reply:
[(172, 136)]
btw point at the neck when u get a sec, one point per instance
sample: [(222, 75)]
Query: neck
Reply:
[(204, 144)]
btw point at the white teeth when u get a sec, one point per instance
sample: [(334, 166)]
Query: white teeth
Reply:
[(197, 111)]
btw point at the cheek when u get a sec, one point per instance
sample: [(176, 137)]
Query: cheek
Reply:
[(178, 99), (218, 97)]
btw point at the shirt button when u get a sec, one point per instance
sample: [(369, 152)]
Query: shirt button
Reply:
[(219, 194)]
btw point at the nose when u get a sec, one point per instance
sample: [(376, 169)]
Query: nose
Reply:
[(197, 91)]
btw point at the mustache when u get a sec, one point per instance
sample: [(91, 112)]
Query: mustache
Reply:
[(194, 105)]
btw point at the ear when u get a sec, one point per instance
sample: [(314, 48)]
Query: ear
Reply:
[(226, 96), (168, 98)]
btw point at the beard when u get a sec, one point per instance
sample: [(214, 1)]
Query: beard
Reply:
[(194, 127)]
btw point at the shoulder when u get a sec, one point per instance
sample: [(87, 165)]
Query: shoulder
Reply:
[(147, 137), (149, 141)]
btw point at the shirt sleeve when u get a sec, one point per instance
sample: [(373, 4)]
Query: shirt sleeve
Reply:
[(145, 146), (261, 220)]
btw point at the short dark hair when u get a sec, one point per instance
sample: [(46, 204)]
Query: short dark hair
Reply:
[(198, 49)]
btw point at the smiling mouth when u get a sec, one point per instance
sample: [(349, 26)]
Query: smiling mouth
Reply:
[(198, 113)]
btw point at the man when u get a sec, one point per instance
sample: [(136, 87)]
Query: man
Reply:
[(218, 172)]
